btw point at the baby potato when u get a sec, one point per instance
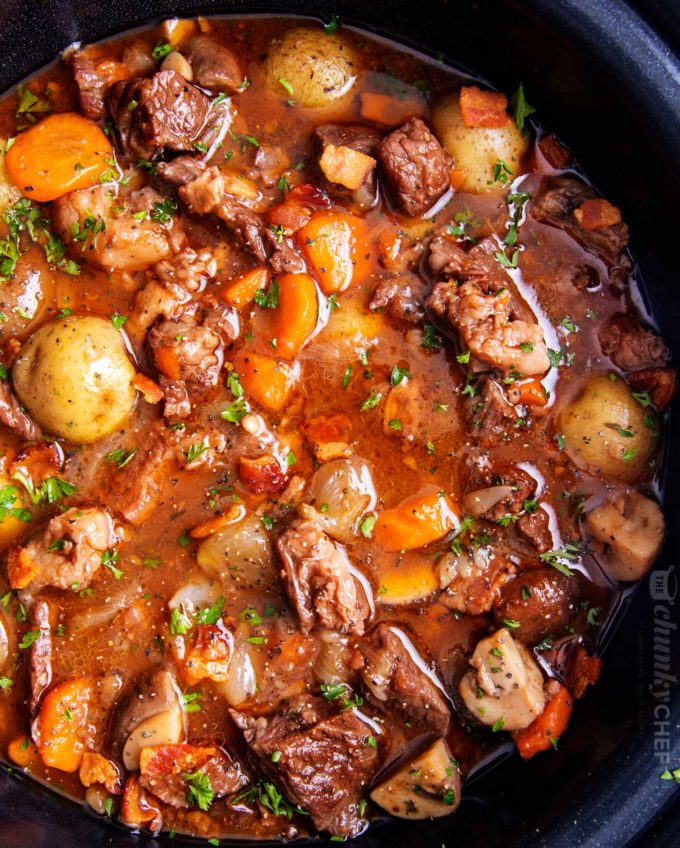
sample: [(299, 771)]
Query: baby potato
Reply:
[(604, 431), (311, 67), (476, 150), (75, 378)]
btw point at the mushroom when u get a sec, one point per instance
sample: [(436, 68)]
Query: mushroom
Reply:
[(504, 688), (629, 531), (4, 641), (151, 714), (423, 787)]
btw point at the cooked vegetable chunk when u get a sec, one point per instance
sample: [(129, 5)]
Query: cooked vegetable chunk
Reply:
[(74, 375)]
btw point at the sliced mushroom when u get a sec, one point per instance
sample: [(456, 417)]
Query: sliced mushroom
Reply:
[(629, 529), (504, 688), (151, 714), (426, 786)]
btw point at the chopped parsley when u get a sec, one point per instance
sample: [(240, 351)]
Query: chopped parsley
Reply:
[(120, 458), (269, 298), (199, 790)]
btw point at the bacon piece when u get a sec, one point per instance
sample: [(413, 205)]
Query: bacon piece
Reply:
[(210, 654), (597, 213), (483, 108), (95, 768), (555, 153), (583, 671), (262, 474), (138, 809), (345, 166), (38, 463), (659, 383)]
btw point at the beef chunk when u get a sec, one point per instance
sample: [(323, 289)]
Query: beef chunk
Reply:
[(180, 171), (447, 258), (214, 65), (555, 153), (659, 383), (324, 763), (472, 584), (396, 296), (184, 350), (283, 259), (555, 204), (496, 326), (93, 75), (492, 413), (398, 683), (631, 346), (363, 140), (543, 601), (170, 113), (136, 487), (163, 769), (582, 671), (40, 656), (14, 417), (84, 535), (535, 528), (416, 166), (318, 580), (189, 269), (521, 483), (176, 399)]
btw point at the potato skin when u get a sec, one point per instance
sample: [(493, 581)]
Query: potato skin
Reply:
[(549, 607), (75, 378), (320, 68), (588, 425), (476, 150)]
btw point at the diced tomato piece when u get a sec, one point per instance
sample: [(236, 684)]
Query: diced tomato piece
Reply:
[(262, 474), (483, 108)]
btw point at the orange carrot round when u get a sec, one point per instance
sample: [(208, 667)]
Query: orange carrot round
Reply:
[(327, 243), (531, 392), (242, 291), (415, 522), (61, 722), (58, 155), (297, 314), (265, 380), (550, 725)]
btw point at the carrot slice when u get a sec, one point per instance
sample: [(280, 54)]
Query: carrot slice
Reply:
[(265, 380), (23, 753), (483, 108), (61, 722), (550, 725), (242, 291), (58, 155), (530, 392), (151, 391), (328, 244), (415, 522), (390, 111), (297, 314)]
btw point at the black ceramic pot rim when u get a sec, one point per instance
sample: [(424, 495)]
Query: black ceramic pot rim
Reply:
[(630, 794)]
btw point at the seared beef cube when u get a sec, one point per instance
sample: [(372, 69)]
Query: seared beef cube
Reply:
[(13, 416), (556, 204), (184, 350), (334, 145), (535, 528), (416, 166), (93, 75), (214, 65), (397, 682), (492, 413), (395, 296), (40, 654), (163, 112), (631, 346), (180, 171), (318, 580), (324, 762)]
